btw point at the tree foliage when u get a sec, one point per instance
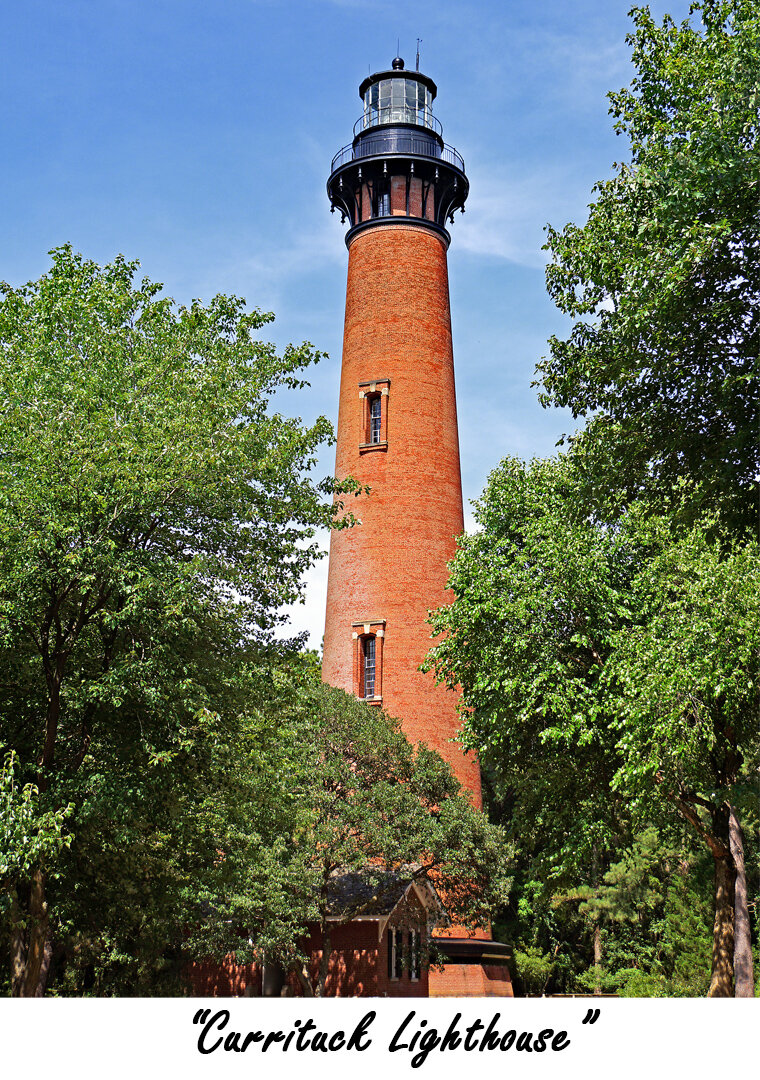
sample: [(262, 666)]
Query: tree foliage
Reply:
[(360, 801), (616, 664), (654, 919), (179, 784), (612, 595), (154, 515), (663, 280)]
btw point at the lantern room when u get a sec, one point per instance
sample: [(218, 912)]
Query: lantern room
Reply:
[(397, 166), (397, 97)]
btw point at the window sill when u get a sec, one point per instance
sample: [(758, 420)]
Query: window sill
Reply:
[(372, 700), (365, 447)]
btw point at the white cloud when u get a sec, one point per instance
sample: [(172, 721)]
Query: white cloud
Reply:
[(266, 274), (503, 220), (586, 68), (470, 524), (506, 217), (302, 252)]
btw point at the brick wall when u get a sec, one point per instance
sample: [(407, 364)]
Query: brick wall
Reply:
[(471, 980), (359, 965), (228, 979)]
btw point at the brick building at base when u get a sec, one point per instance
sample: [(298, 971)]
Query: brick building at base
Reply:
[(382, 953)]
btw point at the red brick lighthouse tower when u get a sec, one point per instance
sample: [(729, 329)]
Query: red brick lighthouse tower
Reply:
[(398, 184)]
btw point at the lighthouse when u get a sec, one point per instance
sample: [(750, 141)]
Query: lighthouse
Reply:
[(398, 185)]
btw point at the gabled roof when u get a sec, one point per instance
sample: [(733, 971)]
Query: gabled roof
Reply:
[(374, 896)]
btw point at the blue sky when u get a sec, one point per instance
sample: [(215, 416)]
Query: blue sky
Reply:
[(197, 137)]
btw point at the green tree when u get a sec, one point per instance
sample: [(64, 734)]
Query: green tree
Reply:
[(686, 683), (538, 595), (653, 918), (366, 804), (622, 659), (29, 840), (320, 789), (154, 516), (663, 280)]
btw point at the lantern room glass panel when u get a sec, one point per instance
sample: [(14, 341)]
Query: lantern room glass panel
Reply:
[(398, 101)]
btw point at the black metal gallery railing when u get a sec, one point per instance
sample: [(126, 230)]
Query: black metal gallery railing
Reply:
[(403, 142)]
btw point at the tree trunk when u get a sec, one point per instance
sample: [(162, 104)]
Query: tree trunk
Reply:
[(597, 956), (47, 957), (33, 984), (744, 976), (721, 981), (597, 931), (51, 725), (18, 948), (304, 978)]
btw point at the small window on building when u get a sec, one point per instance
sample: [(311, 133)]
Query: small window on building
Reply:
[(391, 954), (375, 418), (414, 955), (369, 666), (383, 198), (395, 953), (374, 395), (368, 636)]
